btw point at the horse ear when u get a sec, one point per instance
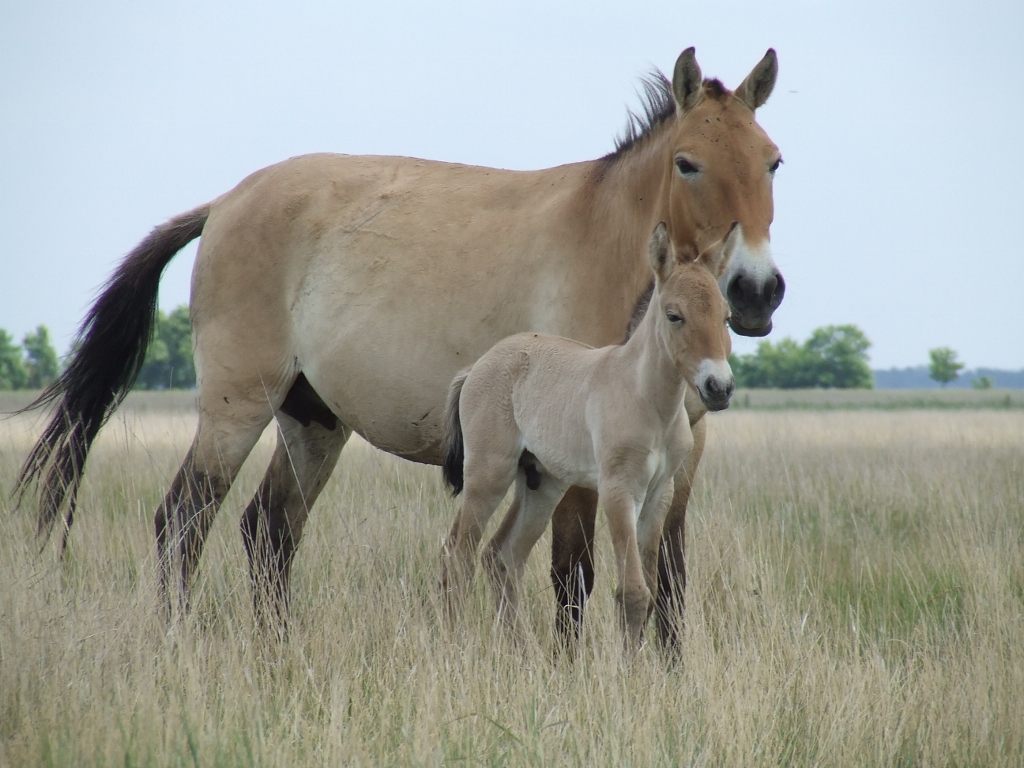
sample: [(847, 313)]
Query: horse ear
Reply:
[(658, 251), (755, 90), (716, 258), (686, 81)]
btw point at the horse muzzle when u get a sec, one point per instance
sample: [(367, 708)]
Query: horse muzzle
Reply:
[(716, 392), (753, 301)]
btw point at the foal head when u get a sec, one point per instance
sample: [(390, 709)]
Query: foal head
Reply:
[(692, 316)]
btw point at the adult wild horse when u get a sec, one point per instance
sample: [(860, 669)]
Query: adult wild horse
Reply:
[(342, 294)]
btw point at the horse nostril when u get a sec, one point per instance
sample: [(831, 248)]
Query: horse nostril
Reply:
[(730, 388), (711, 387), (774, 297), (744, 292), (740, 291)]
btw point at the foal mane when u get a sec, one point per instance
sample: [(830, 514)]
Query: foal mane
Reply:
[(639, 310), (657, 105)]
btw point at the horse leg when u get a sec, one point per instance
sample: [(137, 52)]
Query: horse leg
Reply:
[(509, 548), (649, 528), (632, 594), (309, 441), (482, 494), (672, 563), (572, 561), (223, 440)]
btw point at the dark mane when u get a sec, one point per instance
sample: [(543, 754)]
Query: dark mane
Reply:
[(657, 105), (715, 88), (639, 310)]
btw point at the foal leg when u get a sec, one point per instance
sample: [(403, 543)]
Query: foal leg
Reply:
[(649, 528), (223, 440), (672, 563), (482, 494), (309, 441), (632, 594), (572, 561), (507, 551)]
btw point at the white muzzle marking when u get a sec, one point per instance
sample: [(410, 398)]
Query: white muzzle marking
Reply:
[(756, 263)]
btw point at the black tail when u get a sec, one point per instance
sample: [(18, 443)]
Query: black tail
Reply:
[(109, 352), (454, 447)]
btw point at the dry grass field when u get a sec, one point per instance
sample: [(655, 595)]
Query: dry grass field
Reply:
[(856, 598)]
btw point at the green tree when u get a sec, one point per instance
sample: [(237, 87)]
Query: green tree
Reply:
[(841, 357), (41, 362), (12, 367), (834, 356), (944, 367), (169, 363), (982, 382), (177, 335), (785, 365)]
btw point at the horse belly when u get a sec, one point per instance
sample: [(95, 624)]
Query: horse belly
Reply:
[(390, 279), (554, 429), (387, 394), (386, 373)]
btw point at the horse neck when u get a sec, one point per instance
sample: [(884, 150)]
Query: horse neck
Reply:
[(657, 379), (626, 202)]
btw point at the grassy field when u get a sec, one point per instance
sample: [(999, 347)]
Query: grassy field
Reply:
[(856, 598), (885, 399)]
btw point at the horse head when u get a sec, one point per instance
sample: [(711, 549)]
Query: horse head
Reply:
[(692, 314), (719, 165)]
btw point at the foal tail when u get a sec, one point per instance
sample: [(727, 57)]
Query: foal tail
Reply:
[(108, 354), (454, 445)]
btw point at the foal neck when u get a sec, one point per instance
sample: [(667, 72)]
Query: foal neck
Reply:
[(657, 378)]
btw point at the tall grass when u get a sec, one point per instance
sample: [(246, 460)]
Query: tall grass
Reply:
[(856, 597)]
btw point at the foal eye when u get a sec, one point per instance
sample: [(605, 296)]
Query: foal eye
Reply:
[(674, 318), (775, 166), (686, 167)]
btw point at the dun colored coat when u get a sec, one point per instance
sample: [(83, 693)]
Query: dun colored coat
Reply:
[(546, 413), (341, 294)]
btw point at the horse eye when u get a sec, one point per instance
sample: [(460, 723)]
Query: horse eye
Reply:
[(686, 167), (775, 166), (674, 318)]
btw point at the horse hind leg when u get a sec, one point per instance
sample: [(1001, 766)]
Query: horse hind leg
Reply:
[(485, 487), (224, 438), (309, 441), (536, 496), (572, 562)]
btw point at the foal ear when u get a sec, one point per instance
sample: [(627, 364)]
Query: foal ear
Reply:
[(717, 256), (658, 251), (686, 81), (755, 90)]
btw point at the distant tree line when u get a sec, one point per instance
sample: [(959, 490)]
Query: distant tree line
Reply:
[(931, 376), (34, 363), (169, 363), (835, 357), (31, 365)]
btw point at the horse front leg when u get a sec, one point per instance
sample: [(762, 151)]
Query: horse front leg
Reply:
[(572, 562), (670, 600), (632, 595)]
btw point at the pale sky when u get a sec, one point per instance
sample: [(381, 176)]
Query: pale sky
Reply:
[(901, 125)]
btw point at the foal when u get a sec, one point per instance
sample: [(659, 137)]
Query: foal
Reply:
[(547, 413)]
